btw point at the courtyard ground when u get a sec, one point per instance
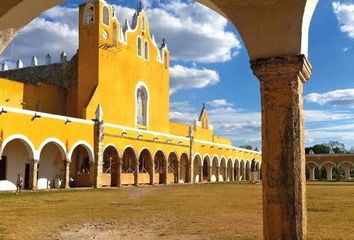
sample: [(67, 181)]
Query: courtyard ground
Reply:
[(202, 211)]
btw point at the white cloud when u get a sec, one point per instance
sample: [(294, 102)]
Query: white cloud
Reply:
[(243, 127), (188, 78), (193, 32), (345, 16), (219, 103), (55, 31), (341, 97)]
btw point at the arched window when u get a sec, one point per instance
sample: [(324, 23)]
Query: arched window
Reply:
[(141, 106), (139, 45), (146, 48), (106, 16), (89, 14), (143, 23)]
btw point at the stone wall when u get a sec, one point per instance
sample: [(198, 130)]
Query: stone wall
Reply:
[(63, 75)]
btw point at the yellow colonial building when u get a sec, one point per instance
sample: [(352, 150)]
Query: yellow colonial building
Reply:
[(102, 118)]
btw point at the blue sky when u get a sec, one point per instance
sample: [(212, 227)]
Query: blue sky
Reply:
[(210, 64)]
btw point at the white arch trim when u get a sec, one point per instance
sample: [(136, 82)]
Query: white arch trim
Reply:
[(130, 146), (328, 162), (86, 145), (148, 149), (312, 162), (60, 144), (27, 142), (346, 162), (163, 152), (113, 146), (174, 153), (195, 155), (237, 161)]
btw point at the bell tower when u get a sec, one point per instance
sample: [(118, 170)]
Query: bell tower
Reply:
[(98, 31)]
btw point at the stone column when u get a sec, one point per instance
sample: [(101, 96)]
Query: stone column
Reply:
[(119, 171), (178, 172), (136, 173), (99, 147), (34, 174), (191, 171), (210, 173), (152, 173), (165, 170), (201, 174), (283, 151), (312, 173), (238, 174), (217, 173), (347, 173), (66, 173), (329, 173), (231, 174)]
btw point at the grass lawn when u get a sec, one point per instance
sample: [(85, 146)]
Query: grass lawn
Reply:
[(205, 211)]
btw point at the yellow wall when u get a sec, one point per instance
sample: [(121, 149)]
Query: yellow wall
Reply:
[(43, 97), (113, 84)]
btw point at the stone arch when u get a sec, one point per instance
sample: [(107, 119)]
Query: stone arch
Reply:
[(348, 168), (172, 170), (160, 164), (215, 169), (25, 140), (197, 163), (110, 167), (230, 171), (184, 168), (58, 143), (129, 166), (17, 154), (51, 165), (326, 169), (146, 167), (248, 170), (81, 165), (310, 170), (236, 170), (206, 168), (84, 144), (242, 170), (222, 175)]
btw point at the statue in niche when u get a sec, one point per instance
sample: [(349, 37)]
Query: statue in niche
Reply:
[(141, 107)]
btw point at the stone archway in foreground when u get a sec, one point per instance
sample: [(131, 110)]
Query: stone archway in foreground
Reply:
[(275, 34)]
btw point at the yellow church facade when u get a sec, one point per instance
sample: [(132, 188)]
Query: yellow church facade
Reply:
[(102, 118)]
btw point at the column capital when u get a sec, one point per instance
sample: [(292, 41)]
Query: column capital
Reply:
[(282, 67), (35, 160)]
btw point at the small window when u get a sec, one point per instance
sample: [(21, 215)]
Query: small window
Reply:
[(143, 23), (89, 14), (139, 45), (106, 16), (146, 48)]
